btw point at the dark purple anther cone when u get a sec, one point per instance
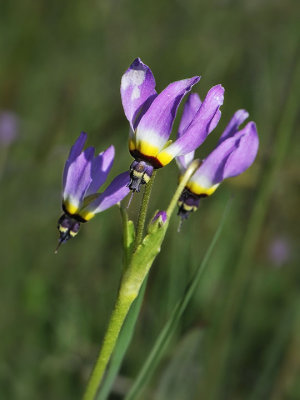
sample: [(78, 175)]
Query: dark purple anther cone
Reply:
[(187, 203), (68, 227), (140, 173)]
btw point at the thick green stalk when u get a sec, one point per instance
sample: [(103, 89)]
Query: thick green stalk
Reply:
[(143, 212), (118, 316), (122, 344)]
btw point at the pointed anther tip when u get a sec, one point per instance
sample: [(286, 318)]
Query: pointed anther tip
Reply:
[(57, 247), (130, 199), (180, 225)]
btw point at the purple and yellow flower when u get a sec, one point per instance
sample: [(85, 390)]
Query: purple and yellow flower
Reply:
[(235, 152), (83, 175), (151, 118)]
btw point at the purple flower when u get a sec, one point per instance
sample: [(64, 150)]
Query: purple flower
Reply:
[(9, 127), (235, 152), (151, 118), (83, 175)]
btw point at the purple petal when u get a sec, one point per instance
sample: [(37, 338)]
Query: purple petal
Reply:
[(230, 158), (191, 107), (76, 149), (137, 90), (78, 179), (205, 120), (156, 124), (245, 152), (238, 118), (101, 166), (114, 193)]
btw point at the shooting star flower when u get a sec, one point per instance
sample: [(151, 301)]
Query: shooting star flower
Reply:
[(235, 152), (151, 118), (83, 175)]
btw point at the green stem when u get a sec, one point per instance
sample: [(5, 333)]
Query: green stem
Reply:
[(128, 236), (118, 316), (188, 173), (143, 212)]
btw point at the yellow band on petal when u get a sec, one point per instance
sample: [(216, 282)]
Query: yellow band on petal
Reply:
[(164, 158), (198, 190), (86, 214), (146, 148), (71, 208)]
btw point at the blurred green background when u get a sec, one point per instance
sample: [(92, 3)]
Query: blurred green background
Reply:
[(60, 71)]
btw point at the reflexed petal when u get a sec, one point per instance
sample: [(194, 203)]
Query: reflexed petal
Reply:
[(238, 118), (156, 124), (191, 107), (76, 149), (245, 152), (205, 120), (231, 157), (78, 180), (114, 193), (137, 90), (101, 166)]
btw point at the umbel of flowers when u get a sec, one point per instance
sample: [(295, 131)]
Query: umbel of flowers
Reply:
[(151, 116)]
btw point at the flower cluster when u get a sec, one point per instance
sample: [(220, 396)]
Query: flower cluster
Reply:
[(151, 117)]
